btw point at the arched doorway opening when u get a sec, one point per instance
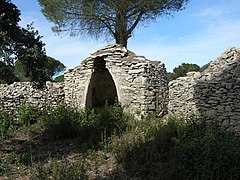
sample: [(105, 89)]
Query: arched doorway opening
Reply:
[(101, 89)]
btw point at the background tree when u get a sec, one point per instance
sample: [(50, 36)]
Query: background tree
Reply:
[(53, 68), (9, 30), (182, 70), (97, 18), (20, 72), (7, 74), (205, 66), (22, 44), (59, 78)]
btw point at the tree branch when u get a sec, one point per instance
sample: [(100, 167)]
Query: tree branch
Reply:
[(139, 17)]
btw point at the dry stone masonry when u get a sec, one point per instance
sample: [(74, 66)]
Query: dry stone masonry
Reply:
[(117, 74), (112, 74), (213, 94), (14, 95)]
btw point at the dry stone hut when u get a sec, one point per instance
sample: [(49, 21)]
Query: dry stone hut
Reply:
[(117, 74)]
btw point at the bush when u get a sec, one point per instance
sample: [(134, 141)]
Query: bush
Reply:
[(2, 81), (6, 123), (28, 115), (113, 119), (150, 152), (62, 123), (66, 122), (179, 149), (207, 151)]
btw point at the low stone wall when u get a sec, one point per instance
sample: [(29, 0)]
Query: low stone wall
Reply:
[(213, 94), (14, 95)]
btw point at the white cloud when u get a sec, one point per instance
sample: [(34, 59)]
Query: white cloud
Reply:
[(216, 29), (206, 31)]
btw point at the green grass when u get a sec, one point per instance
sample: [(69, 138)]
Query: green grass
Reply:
[(65, 143)]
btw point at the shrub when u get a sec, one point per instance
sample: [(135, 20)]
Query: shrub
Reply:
[(62, 123), (179, 149), (6, 123), (150, 152), (207, 151), (66, 122), (113, 119), (2, 81), (28, 115)]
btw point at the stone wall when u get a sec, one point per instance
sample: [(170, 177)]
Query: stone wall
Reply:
[(115, 73), (110, 74), (141, 85), (213, 94), (14, 95)]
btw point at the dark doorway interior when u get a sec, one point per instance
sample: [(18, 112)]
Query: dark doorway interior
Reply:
[(101, 89)]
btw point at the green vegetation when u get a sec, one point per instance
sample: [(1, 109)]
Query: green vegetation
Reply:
[(28, 115), (24, 44), (184, 68), (112, 18), (59, 78), (53, 68), (6, 123), (205, 66), (7, 74), (65, 143), (22, 53)]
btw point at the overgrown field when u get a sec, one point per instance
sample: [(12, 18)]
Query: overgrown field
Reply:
[(64, 143)]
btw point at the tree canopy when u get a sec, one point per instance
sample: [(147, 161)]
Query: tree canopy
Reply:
[(182, 70), (7, 74), (97, 18), (53, 68), (24, 44)]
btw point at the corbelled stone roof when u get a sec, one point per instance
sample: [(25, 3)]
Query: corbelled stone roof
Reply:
[(117, 52)]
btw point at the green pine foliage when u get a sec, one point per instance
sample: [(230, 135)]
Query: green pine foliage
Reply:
[(182, 70)]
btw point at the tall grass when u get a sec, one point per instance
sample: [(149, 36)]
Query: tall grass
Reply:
[(179, 149), (206, 151), (119, 147)]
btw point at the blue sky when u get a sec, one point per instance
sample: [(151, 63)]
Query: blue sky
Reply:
[(198, 34)]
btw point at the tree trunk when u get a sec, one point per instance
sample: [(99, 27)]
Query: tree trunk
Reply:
[(121, 32), (121, 39)]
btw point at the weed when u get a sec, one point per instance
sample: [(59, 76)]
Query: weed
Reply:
[(112, 119), (58, 170), (207, 151), (28, 115), (182, 149), (62, 123), (10, 163), (6, 123), (114, 145), (66, 122)]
